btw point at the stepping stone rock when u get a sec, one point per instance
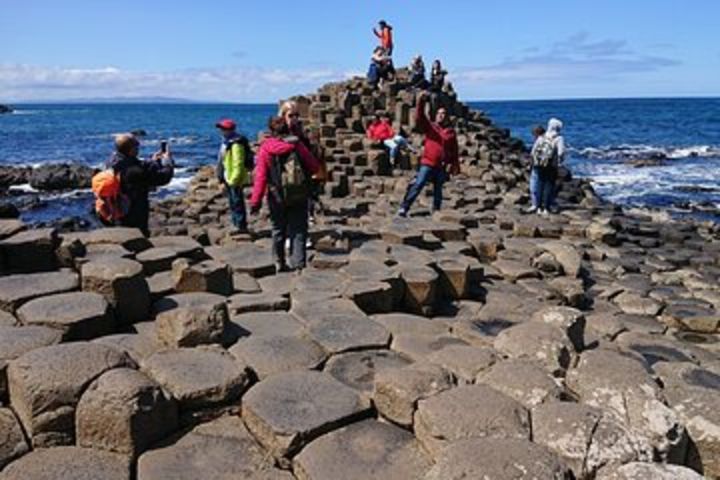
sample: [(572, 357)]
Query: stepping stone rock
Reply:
[(398, 390), (537, 341), (399, 323), (501, 458), (286, 411), (634, 304), (421, 288), (13, 442), (129, 238), (156, 260), (586, 438), (161, 285), (418, 347), (124, 411), (8, 228), (183, 246), (136, 346), (65, 463), (371, 296), (694, 393), (46, 383), (566, 254), (31, 251), (621, 385), (198, 323), (15, 341), (79, 315), (358, 369), (513, 270), (463, 361), (522, 380), (198, 377), (244, 283), (340, 333), (468, 411), (207, 276), (222, 449), (247, 258), (649, 471), (569, 320), (122, 284), (269, 355), (367, 450), (263, 324), (455, 277), (18, 289)]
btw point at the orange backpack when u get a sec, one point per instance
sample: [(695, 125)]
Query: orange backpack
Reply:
[(110, 203)]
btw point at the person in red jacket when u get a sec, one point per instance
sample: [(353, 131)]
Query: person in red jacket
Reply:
[(440, 156), (381, 130), (289, 221), (386, 37)]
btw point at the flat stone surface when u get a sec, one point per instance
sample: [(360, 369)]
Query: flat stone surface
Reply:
[(269, 355), (129, 238), (244, 283), (570, 320), (136, 346), (367, 450), (358, 369), (468, 411), (246, 258), (398, 390), (68, 463), (502, 458), (463, 361), (649, 471), (403, 323), (31, 250), (9, 227), (123, 285), (156, 259), (266, 324), (206, 276), (18, 289), (13, 442), (340, 333), (587, 439), (7, 319), (222, 449), (79, 315), (258, 302), (45, 385), (183, 246), (15, 341), (286, 411), (523, 380), (419, 347), (124, 411), (202, 321), (537, 341), (198, 377)]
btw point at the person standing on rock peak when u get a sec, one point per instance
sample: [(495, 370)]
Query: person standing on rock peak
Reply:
[(138, 177), (439, 159), (386, 37), (284, 166), (234, 164)]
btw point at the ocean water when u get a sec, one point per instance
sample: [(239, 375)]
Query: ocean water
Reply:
[(603, 135)]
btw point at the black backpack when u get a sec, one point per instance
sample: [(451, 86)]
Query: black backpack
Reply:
[(289, 181), (249, 154)]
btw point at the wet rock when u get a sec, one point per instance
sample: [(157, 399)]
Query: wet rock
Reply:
[(398, 390), (30, 251), (523, 381), (221, 449), (63, 176), (368, 449), (206, 276), (286, 411), (358, 369), (122, 284), (273, 354), (46, 383), (13, 444), (123, 411), (79, 315), (501, 458), (586, 438), (68, 462), (468, 411), (198, 377)]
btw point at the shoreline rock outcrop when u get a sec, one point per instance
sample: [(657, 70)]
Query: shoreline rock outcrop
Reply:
[(474, 341)]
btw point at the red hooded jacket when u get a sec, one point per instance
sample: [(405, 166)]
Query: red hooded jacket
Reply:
[(441, 147), (380, 131), (270, 147)]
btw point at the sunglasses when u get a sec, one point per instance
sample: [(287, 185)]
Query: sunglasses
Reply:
[(294, 115)]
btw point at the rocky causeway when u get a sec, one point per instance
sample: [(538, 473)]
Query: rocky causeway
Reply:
[(476, 342)]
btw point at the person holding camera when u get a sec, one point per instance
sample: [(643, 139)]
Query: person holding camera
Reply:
[(138, 177)]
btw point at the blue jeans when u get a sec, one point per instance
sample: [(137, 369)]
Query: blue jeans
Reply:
[(546, 187), (534, 187), (394, 145), (237, 207), (426, 174)]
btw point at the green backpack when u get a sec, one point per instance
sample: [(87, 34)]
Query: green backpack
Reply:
[(289, 181)]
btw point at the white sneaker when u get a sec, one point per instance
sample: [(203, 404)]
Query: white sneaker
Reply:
[(543, 212), (530, 210), (402, 213)]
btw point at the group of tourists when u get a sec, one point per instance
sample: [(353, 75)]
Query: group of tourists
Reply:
[(287, 171)]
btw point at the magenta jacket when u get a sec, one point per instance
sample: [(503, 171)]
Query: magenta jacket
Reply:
[(270, 147)]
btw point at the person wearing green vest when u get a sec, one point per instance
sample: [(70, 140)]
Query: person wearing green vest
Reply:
[(235, 162)]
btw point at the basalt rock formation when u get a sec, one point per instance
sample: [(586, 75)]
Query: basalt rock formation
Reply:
[(472, 342)]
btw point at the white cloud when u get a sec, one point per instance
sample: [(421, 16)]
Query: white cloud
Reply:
[(244, 84)]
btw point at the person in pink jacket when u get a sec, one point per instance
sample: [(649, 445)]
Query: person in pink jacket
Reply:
[(288, 204)]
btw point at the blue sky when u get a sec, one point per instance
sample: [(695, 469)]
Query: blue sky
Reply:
[(258, 51)]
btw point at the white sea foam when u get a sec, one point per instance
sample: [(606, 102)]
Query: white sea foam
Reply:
[(627, 151), (24, 188)]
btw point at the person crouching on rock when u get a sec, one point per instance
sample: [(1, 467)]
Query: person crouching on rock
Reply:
[(440, 156), (537, 132), (234, 164), (417, 73), (380, 130), (283, 171), (138, 177)]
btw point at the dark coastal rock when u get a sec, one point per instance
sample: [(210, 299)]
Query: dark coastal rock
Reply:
[(8, 210), (5, 109), (64, 176), (10, 176)]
